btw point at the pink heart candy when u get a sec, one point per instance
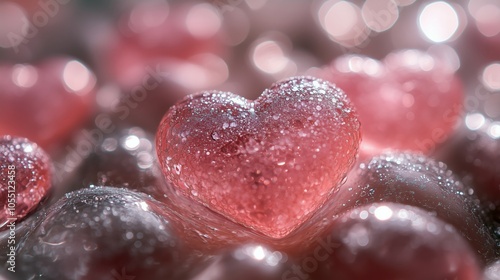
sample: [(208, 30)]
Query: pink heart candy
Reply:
[(25, 178), (45, 102), (410, 101), (267, 164)]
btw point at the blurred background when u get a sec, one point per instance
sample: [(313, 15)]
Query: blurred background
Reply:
[(245, 44), (134, 59)]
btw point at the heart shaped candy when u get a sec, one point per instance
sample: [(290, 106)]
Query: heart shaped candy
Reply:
[(411, 101), (45, 102), (25, 178), (267, 164)]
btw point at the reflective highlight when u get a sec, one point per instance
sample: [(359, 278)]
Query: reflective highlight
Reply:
[(438, 21)]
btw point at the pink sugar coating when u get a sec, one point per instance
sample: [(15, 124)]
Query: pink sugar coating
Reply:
[(267, 164), (26, 167)]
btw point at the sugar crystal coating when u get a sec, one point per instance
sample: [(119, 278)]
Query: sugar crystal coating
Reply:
[(267, 164), (417, 180), (25, 177), (98, 233), (474, 155), (410, 101)]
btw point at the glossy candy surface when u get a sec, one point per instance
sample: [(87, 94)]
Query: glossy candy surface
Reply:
[(414, 179), (25, 178), (126, 159), (393, 241), (409, 101), (474, 154), (99, 233), (246, 263), (267, 164)]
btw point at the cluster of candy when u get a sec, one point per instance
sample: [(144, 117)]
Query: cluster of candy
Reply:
[(250, 139)]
